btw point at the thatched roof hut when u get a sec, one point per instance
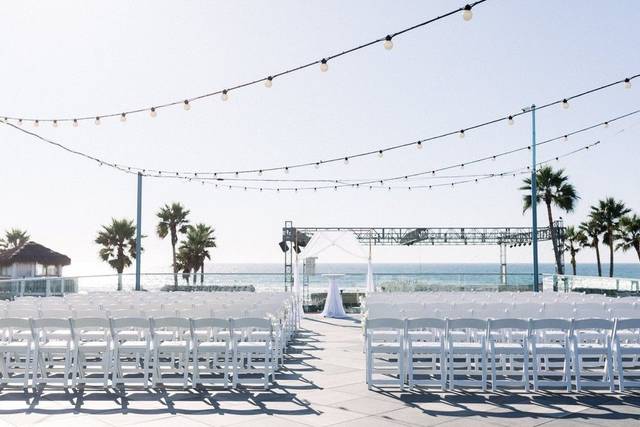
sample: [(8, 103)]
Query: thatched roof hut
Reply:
[(32, 259)]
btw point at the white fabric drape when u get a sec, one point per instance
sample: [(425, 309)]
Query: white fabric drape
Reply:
[(371, 286)]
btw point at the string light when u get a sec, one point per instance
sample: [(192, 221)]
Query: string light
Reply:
[(380, 154), (627, 83), (510, 120), (268, 82), (461, 133), (153, 112), (75, 123), (606, 124), (225, 95), (467, 14), (55, 123), (419, 145), (324, 66), (317, 165), (36, 124), (97, 121), (186, 105), (123, 117), (566, 138), (346, 160), (565, 103), (388, 43)]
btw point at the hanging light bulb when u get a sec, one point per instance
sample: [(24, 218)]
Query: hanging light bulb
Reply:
[(380, 153), (75, 123), (55, 123), (419, 145), (461, 133), (346, 160), (286, 169), (260, 172), (409, 188), (461, 165), (627, 83), (565, 103), (606, 124), (36, 123), (186, 105), (510, 120), (268, 82), (153, 112), (123, 117), (493, 159), (97, 121), (566, 138), (20, 122), (225, 95), (335, 188), (388, 43), (467, 14), (323, 65), (317, 165)]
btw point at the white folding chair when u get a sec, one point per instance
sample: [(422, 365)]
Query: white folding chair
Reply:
[(472, 348), (591, 339), (212, 351), (53, 352), (131, 350), (509, 352), (171, 349), (426, 352), (92, 342), (626, 340), (253, 354), (550, 341), (16, 351), (390, 346)]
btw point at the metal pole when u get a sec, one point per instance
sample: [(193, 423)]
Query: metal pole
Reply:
[(534, 200), (139, 232)]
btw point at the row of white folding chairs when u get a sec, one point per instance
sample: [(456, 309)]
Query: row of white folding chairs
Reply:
[(596, 352), (552, 310), (66, 351), (492, 296)]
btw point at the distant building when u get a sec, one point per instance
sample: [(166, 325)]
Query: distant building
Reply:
[(32, 260)]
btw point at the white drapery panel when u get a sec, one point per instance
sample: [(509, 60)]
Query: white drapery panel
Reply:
[(344, 241)]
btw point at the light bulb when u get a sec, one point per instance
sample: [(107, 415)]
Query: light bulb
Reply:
[(462, 166), (335, 188), (565, 103), (260, 173), (153, 112), (461, 133), (627, 83), (419, 145), (36, 124), (323, 65), (388, 43), (606, 124), (510, 121), (186, 105), (268, 82), (467, 14), (123, 117), (409, 188), (19, 122), (317, 166), (566, 138), (346, 160), (286, 169), (225, 95), (380, 154), (97, 121), (75, 123), (55, 123)]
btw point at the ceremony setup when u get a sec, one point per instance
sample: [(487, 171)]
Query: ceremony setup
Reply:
[(321, 213)]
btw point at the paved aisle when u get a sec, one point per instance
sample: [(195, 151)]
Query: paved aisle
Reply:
[(322, 384)]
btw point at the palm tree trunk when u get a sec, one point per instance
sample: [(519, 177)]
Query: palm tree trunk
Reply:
[(202, 273), (573, 262), (175, 270), (556, 252), (597, 246), (119, 280), (611, 253), (638, 251)]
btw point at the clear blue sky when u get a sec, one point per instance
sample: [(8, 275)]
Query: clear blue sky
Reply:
[(66, 58)]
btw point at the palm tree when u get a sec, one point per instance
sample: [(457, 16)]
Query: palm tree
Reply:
[(195, 248), (593, 229), (14, 238), (630, 233), (609, 211), (553, 189), (118, 245), (574, 239), (173, 220)]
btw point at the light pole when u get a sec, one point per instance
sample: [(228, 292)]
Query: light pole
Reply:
[(138, 231)]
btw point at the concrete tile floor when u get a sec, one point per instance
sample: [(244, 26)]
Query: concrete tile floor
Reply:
[(321, 384)]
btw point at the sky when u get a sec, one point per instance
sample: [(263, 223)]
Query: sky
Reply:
[(72, 58)]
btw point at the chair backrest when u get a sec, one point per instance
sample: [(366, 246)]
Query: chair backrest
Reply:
[(210, 322), (128, 313), (384, 323), (551, 324), (55, 314), (89, 322), (622, 324), (177, 323), (31, 313), (511, 324), (593, 323), (467, 323), (15, 323), (426, 323), (131, 323), (251, 323)]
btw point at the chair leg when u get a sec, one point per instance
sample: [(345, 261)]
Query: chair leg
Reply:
[(567, 370), (525, 370), (493, 371), (620, 372), (577, 365), (484, 372)]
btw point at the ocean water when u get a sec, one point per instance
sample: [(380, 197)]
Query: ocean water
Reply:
[(266, 277)]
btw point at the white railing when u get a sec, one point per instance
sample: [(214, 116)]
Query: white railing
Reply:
[(37, 286), (568, 283)]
